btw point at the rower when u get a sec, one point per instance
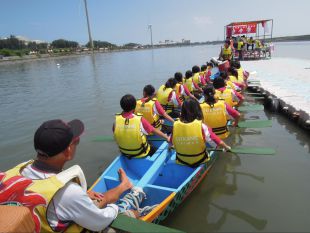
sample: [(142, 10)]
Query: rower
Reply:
[(168, 98), (151, 109), (216, 113), (197, 77), (235, 78), (130, 130), (226, 94), (190, 136), (181, 89), (191, 85)]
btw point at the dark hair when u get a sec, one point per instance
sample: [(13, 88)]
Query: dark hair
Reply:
[(149, 90), (171, 82), (188, 74), (210, 64), (203, 67), (227, 42), (178, 76), (237, 65), (233, 72), (191, 110), (224, 75), (209, 93), (128, 103), (195, 69), (218, 83)]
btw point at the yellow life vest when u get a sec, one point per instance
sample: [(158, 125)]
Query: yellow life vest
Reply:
[(240, 74), (227, 53), (129, 137), (215, 117), (189, 84), (196, 78), (188, 141), (258, 44), (225, 95), (240, 44), (177, 91), (147, 110), (230, 85), (47, 188), (235, 80), (162, 97)]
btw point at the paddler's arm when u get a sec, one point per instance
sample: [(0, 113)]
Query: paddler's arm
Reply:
[(162, 112), (161, 134), (148, 128), (212, 139), (233, 113), (188, 93)]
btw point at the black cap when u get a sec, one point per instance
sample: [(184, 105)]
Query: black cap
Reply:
[(54, 136)]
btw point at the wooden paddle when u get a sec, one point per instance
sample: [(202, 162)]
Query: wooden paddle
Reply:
[(128, 224), (110, 139), (249, 150), (255, 124), (252, 107)]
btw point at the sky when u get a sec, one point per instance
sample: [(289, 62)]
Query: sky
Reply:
[(125, 21)]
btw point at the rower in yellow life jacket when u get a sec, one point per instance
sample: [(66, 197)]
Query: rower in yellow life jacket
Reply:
[(146, 108), (130, 130), (189, 81), (181, 89), (196, 75), (216, 113), (168, 98), (150, 108), (42, 191), (223, 93), (129, 137), (189, 143), (190, 135), (215, 117)]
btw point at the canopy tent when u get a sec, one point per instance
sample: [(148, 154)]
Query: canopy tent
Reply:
[(249, 27)]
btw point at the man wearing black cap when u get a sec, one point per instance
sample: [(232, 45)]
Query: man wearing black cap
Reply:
[(67, 202)]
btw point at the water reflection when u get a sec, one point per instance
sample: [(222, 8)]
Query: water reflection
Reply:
[(301, 135), (257, 223)]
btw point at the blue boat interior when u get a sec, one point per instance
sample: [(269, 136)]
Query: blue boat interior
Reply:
[(158, 175)]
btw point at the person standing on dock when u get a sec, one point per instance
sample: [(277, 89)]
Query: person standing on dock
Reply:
[(68, 206), (130, 130), (190, 136), (216, 113), (151, 109)]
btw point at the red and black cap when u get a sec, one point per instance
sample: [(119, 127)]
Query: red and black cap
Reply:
[(54, 136)]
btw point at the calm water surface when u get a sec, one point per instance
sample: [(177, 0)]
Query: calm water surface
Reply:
[(241, 193)]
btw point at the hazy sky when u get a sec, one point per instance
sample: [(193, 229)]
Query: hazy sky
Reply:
[(123, 21)]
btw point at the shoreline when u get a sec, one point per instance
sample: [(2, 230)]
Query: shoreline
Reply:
[(32, 58)]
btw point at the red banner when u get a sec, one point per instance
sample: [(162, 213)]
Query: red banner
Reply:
[(241, 29)]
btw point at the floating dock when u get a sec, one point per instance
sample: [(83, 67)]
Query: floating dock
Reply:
[(285, 85)]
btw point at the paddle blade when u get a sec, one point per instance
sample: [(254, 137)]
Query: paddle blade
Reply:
[(255, 124), (128, 224), (253, 150), (253, 107), (103, 139)]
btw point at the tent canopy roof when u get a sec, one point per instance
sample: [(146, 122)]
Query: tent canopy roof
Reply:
[(248, 22)]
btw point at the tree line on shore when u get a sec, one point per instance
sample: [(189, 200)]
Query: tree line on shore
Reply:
[(13, 46)]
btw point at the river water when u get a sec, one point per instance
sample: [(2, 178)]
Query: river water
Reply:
[(241, 193)]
